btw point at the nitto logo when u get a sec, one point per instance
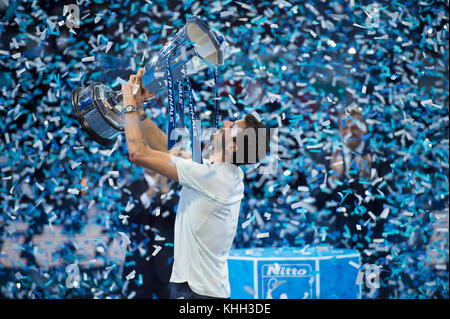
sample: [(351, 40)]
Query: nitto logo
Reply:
[(286, 270), (287, 281)]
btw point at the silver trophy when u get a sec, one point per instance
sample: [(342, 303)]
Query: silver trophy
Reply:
[(196, 46)]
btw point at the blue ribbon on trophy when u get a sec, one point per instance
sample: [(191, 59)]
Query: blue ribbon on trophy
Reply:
[(179, 108), (193, 48), (195, 132), (171, 116), (180, 103)]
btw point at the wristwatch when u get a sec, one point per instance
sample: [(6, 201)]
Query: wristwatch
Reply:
[(130, 108)]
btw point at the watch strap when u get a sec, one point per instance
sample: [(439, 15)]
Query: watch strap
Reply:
[(130, 108)]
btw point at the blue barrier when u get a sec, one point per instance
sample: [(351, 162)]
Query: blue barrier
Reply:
[(294, 273)]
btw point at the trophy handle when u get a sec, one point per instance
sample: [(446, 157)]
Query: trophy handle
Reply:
[(116, 103)]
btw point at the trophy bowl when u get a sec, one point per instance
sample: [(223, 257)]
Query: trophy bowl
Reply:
[(194, 47), (98, 109)]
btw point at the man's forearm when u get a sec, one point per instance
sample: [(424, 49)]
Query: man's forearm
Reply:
[(154, 136), (140, 152), (135, 140)]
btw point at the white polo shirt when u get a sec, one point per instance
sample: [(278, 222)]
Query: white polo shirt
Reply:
[(205, 225)]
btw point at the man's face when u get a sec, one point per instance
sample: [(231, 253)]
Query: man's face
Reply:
[(351, 129), (224, 136)]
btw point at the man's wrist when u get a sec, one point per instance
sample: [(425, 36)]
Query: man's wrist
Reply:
[(127, 102), (130, 109)]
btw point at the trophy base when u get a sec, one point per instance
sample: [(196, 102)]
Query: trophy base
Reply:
[(74, 95)]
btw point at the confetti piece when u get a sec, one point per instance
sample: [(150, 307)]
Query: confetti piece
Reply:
[(108, 46), (125, 238), (73, 166), (41, 188), (157, 249), (232, 99), (131, 275), (73, 191), (88, 59), (285, 189)]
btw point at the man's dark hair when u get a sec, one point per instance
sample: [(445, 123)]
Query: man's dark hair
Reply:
[(254, 149)]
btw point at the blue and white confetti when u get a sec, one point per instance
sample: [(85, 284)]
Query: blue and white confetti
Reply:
[(296, 64)]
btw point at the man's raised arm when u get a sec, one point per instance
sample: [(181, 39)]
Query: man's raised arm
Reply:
[(139, 151), (154, 136)]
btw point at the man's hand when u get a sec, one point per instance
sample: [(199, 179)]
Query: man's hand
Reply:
[(127, 90), (142, 94)]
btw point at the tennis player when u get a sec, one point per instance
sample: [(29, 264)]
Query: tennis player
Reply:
[(209, 203)]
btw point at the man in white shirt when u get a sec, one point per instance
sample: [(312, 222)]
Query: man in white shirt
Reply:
[(210, 198)]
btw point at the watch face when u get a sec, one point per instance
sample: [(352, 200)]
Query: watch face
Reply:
[(129, 108)]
